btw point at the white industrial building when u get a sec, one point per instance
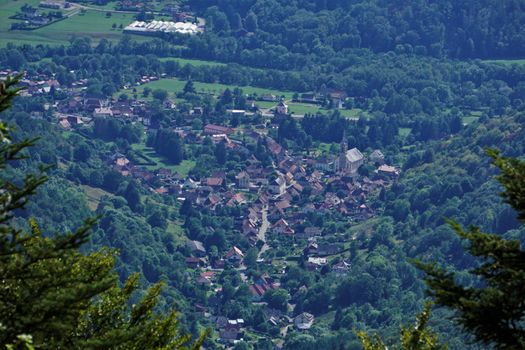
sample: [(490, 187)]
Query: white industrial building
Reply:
[(154, 27)]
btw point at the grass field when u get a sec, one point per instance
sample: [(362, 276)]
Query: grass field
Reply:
[(192, 62), (304, 108), (470, 119), (93, 24), (183, 168), (93, 195), (175, 85), (507, 62), (404, 132)]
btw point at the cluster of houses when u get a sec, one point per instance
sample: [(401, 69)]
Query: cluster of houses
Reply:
[(271, 196), (272, 193), (32, 18)]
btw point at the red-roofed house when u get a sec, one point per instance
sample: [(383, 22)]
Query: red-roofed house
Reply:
[(212, 129), (235, 256)]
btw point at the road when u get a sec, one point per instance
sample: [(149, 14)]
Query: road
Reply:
[(261, 235)]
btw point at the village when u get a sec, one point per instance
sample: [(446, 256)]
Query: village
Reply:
[(275, 199)]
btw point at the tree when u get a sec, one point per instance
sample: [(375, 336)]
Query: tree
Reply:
[(494, 310), (189, 88), (220, 152), (82, 152), (160, 94), (419, 337), (53, 296), (277, 298), (132, 195), (251, 22), (250, 259)]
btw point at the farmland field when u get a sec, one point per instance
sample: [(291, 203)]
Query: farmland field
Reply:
[(175, 85), (192, 62), (93, 24)]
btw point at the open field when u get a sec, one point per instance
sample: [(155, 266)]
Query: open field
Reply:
[(192, 62), (93, 24), (175, 85), (507, 62), (404, 132), (183, 168), (303, 108), (93, 195)]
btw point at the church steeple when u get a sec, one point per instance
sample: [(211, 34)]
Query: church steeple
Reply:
[(344, 143)]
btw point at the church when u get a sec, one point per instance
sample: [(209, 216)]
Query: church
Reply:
[(348, 161)]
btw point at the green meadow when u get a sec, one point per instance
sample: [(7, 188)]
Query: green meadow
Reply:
[(93, 24), (183, 168), (192, 62), (507, 62), (172, 86)]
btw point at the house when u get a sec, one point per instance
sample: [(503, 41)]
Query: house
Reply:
[(28, 11), (311, 248), (161, 190), (55, 5), (198, 111), (212, 200), (278, 186), (196, 248), (90, 104), (268, 98), (190, 184), (309, 232), (314, 263), (243, 179), (387, 170), (74, 120), (304, 321), (281, 108), (309, 98), (122, 108), (193, 262), (249, 227), (275, 149), (341, 268), (324, 164), (204, 281), (262, 284), (235, 324), (257, 291), (102, 112), (214, 181), (377, 157), (337, 98), (235, 256), (282, 227), (218, 264), (121, 161), (236, 112), (212, 129)]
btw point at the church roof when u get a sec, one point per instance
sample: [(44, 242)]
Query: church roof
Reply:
[(354, 155)]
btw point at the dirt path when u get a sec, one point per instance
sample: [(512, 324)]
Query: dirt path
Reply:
[(84, 7)]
